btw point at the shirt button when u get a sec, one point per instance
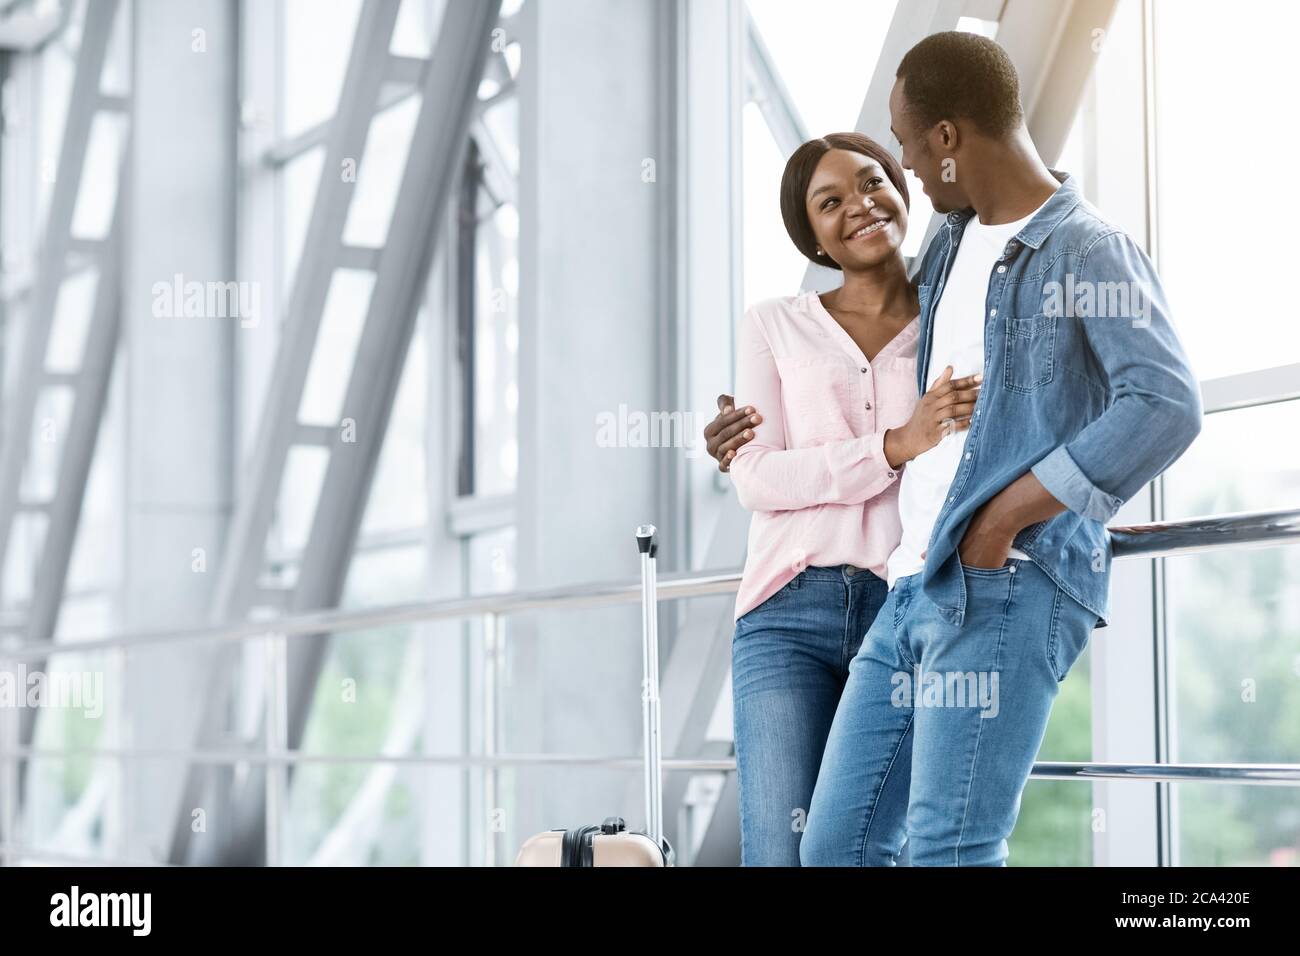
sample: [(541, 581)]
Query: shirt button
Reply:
[(867, 406), (952, 498), (977, 413), (1011, 570), (1002, 268), (891, 474), (864, 368), (968, 456), (993, 311)]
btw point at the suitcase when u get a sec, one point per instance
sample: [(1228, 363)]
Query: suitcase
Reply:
[(611, 843)]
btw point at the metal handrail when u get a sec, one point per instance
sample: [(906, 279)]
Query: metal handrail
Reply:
[(1280, 775), (1161, 539), (1207, 534), (1259, 774), (29, 854), (1246, 529)]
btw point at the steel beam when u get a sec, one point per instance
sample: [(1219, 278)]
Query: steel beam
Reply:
[(37, 619), (448, 87)]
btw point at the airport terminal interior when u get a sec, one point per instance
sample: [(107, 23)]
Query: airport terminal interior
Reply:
[(347, 342)]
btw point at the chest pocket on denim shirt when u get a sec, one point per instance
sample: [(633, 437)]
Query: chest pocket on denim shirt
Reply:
[(1031, 351)]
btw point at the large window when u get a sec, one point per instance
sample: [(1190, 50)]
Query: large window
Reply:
[(1220, 156), (65, 800), (431, 509), (487, 416), (1233, 617), (1234, 630), (808, 67)]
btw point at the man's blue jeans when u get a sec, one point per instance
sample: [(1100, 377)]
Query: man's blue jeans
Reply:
[(938, 725), (790, 659)]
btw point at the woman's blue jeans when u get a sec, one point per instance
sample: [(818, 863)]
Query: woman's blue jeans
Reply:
[(789, 663)]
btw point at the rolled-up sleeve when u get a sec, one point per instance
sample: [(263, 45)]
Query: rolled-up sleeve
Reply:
[(1155, 409), (1072, 488)]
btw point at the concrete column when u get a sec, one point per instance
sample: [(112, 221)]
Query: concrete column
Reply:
[(596, 171), (179, 375)]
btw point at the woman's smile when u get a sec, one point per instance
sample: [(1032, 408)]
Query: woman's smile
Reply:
[(869, 230)]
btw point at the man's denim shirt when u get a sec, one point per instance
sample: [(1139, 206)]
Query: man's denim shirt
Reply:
[(1085, 384)]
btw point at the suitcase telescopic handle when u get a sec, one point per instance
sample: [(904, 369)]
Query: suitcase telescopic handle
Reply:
[(646, 541), (654, 806)]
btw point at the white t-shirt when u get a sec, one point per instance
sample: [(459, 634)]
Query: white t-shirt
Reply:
[(957, 339)]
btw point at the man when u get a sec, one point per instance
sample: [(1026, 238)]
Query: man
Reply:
[(1003, 568)]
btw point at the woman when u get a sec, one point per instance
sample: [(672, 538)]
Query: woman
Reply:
[(833, 380)]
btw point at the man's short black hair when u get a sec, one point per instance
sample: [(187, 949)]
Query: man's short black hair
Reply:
[(958, 75)]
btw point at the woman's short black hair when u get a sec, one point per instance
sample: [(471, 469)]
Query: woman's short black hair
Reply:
[(798, 174)]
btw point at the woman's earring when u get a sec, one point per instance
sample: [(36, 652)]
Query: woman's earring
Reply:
[(819, 251)]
